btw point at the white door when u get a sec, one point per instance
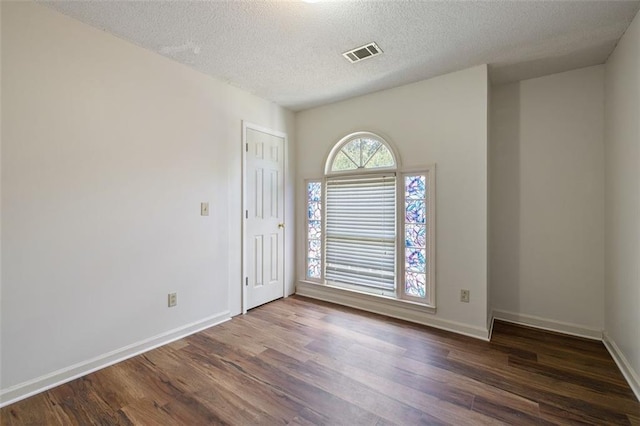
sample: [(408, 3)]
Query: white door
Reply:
[(264, 216)]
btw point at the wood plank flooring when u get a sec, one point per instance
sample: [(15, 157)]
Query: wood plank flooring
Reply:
[(301, 362)]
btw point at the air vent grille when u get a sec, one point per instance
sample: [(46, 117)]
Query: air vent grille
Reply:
[(363, 52)]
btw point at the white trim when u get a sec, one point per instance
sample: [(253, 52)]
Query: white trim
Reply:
[(40, 384), (621, 361), (490, 325), (243, 245), (247, 125), (396, 308), (547, 324)]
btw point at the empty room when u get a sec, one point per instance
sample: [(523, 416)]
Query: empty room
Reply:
[(320, 212)]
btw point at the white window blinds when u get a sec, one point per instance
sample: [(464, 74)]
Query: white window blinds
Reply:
[(361, 231)]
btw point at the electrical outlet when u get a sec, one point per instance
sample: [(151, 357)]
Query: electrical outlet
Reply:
[(204, 209), (173, 299), (464, 296)]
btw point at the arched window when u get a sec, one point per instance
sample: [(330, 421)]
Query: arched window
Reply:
[(369, 225), (361, 150)]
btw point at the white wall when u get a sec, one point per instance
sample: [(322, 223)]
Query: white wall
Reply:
[(622, 212), (107, 151), (443, 121), (547, 195)]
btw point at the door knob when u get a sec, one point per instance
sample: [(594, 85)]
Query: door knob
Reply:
[(281, 225)]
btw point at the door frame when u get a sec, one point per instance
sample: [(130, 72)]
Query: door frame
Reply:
[(244, 277)]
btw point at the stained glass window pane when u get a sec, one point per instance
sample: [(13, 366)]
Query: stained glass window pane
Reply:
[(415, 211), (415, 284), (313, 191), (314, 249), (313, 268), (314, 230), (314, 211), (415, 260), (415, 236), (414, 187)]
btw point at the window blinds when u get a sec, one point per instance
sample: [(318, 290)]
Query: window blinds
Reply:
[(361, 231)]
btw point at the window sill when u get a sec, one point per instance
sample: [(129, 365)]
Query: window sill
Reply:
[(380, 304)]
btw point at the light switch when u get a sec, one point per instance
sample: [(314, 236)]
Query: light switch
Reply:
[(204, 209)]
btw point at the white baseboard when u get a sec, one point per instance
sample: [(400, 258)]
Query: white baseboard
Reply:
[(389, 307), (547, 324), (40, 384), (492, 321), (621, 361)]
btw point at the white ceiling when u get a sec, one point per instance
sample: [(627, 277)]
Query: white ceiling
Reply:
[(290, 51)]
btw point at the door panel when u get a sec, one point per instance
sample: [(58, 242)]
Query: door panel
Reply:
[(264, 238)]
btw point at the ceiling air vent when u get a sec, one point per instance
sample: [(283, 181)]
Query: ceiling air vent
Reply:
[(363, 52)]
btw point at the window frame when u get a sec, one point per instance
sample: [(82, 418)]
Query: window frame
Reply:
[(322, 183), (429, 171), (430, 223)]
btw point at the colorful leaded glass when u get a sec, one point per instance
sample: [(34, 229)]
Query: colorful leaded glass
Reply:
[(313, 268), (314, 211), (415, 260), (314, 230), (314, 249), (313, 191), (415, 284), (414, 187), (415, 236), (415, 211)]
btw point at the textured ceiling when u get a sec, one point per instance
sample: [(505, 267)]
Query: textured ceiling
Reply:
[(290, 51)]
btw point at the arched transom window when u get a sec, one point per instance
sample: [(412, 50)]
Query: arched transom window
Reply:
[(361, 150)]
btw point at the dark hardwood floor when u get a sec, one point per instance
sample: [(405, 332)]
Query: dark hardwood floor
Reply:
[(298, 361)]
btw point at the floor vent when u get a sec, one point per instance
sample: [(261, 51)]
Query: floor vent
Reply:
[(363, 52)]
